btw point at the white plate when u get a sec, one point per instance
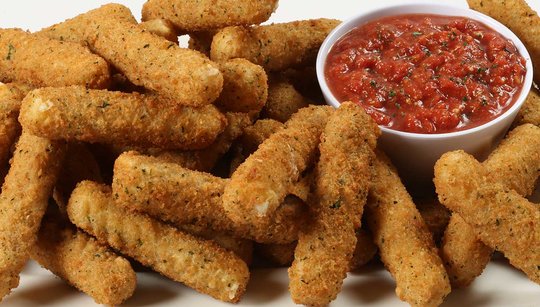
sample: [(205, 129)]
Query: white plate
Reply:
[(499, 285)]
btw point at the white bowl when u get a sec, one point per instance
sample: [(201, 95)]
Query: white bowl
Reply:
[(415, 154)]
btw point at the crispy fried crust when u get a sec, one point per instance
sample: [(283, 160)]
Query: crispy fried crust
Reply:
[(530, 111), (77, 114), (185, 76), (161, 27), (245, 87), (201, 41), (515, 163), (200, 264), (365, 249), (275, 47), (41, 61), (283, 101), (84, 263), (435, 215), (25, 192), (278, 254), (199, 15), (181, 196), (405, 244), (500, 217), (326, 245), (260, 184), (519, 17), (256, 134)]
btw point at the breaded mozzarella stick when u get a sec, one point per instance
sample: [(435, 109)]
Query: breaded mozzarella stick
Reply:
[(161, 27), (40, 61), (25, 194), (199, 264), (99, 116)]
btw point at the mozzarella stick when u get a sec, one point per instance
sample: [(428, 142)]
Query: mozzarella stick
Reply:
[(180, 196), (515, 163), (278, 254), (40, 61), (435, 215), (500, 217), (364, 251), (182, 75), (275, 47), (256, 134), (23, 201), (84, 263), (260, 184), (199, 264), (99, 116), (405, 243), (326, 245), (11, 95), (283, 101), (519, 17), (530, 111), (77, 28), (245, 87), (197, 15), (162, 28)]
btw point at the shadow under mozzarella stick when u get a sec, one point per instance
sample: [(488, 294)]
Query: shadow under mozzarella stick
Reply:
[(201, 41), (40, 61), (199, 264), (275, 47), (405, 243), (185, 76), (515, 163), (180, 196), (260, 184), (500, 217), (23, 201), (197, 15), (99, 116), (84, 263), (326, 244)]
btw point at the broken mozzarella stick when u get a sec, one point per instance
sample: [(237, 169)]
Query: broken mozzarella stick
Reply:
[(180, 196), (405, 243), (342, 176), (182, 75), (515, 163), (84, 263), (162, 28), (23, 202), (40, 61), (99, 116), (283, 101), (500, 217), (275, 47), (260, 184), (197, 15), (245, 87), (199, 264)]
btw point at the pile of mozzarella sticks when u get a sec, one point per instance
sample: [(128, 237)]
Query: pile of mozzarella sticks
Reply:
[(116, 144)]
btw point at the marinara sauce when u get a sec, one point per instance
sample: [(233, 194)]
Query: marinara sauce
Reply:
[(426, 73)]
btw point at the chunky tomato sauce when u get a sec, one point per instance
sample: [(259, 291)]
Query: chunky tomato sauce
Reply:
[(426, 73)]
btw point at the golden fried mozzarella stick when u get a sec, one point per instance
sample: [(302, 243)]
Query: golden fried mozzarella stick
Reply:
[(530, 111), (161, 27), (199, 264), (245, 87), (197, 15), (405, 243), (256, 134), (81, 261), (201, 41), (41, 61), (519, 17), (364, 251), (260, 184), (515, 163), (435, 215), (278, 254), (99, 116), (283, 101), (77, 29), (185, 76), (11, 95), (180, 196), (326, 245), (500, 217), (275, 47), (25, 193)]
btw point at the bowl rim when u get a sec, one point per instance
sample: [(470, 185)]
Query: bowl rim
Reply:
[(394, 10)]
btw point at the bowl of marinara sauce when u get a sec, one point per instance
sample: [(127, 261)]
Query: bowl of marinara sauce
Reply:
[(435, 78)]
